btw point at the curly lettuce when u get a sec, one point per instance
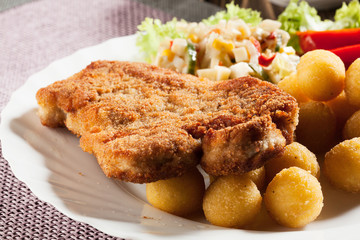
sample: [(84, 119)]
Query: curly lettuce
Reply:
[(348, 16), (300, 16), (152, 32), (233, 11)]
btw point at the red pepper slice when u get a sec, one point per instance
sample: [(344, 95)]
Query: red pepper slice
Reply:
[(266, 61), (348, 54), (271, 36), (330, 39), (256, 43), (171, 43)]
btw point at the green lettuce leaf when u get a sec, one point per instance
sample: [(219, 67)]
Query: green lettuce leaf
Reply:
[(152, 32), (348, 16), (300, 16), (233, 11)]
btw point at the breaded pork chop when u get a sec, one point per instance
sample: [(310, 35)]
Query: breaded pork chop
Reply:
[(144, 123)]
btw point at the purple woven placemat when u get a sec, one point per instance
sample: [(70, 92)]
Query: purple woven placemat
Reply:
[(32, 36)]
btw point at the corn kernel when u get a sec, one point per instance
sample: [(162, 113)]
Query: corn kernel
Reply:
[(170, 55), (222, 45), (194, 38)]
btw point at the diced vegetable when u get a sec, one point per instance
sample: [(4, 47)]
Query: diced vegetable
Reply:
[(281, 66), (217, 73), (178, 62), (258, 72), (209, 73), (170, 55), (266, 60), (193, 38), (241, 54), (256, 43), (236, 35), (192, 58), (179, 46), (269, 25), (223, 46), (240, 69), (223, 73)]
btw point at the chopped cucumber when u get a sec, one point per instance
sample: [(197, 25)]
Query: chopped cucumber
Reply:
[(192, 58), (259, 72)]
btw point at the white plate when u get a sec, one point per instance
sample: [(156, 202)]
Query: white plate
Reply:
[(54, 167)]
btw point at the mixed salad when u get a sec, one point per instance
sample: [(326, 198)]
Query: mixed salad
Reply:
[(238, 42)]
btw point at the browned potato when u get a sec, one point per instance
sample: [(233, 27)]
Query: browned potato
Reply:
[(352, 126), (342, 165), (232, 201), (317, 126), (342, 109), (294, 197), (180, 195), (257, 176), (352, 83), (295, 155), (290, 85), (321, 75)]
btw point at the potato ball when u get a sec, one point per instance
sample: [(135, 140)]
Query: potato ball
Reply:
[(342, 109), (317, 126), (180, 195), (294, 197), (290, 85), (352, 126), (352, 83), (321, 75), (232, 201), (257, 176), (295, 155), (342, 165)]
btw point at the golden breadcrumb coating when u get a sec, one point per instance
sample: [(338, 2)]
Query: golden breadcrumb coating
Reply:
[(144, 123)]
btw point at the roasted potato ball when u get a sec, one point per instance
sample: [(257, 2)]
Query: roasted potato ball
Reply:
[(321, 75), (257, 176), (352, 126), (342, 165), (295, 155), (180, 195), (232, 201), (342, 109), (290, 85), (317, 126), (352, 83), (294, 197)]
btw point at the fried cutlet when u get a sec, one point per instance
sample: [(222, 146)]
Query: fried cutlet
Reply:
[(144, 123)]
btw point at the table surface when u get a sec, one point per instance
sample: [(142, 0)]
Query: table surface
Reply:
[(34, 33)]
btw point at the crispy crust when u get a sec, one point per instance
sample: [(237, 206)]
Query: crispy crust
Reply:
[(144, 123)]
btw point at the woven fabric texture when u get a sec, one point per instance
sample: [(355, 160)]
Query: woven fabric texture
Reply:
[(32, 36)]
